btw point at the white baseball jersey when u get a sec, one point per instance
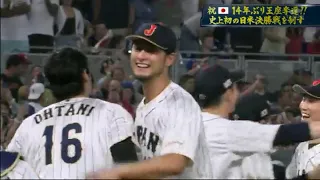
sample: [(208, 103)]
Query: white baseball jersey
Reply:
[(304, 160), (239, 149), (22, 170), (71, 138), (171, 123)]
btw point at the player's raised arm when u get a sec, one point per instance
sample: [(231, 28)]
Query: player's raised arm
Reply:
[(217, 92), (119, 133)]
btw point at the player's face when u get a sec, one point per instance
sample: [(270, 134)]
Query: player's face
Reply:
[(148, 61), (310, 108)]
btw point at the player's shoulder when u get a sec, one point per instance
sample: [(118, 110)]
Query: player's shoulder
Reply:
[(8, 161), (176, 93), (107, 105)]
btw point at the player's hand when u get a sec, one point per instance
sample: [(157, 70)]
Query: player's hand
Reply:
[(104, 174)]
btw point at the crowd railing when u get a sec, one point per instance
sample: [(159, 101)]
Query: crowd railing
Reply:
[(276, 70)]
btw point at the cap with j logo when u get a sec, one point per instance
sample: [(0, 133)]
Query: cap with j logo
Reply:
[(312, 91), (158, 34)]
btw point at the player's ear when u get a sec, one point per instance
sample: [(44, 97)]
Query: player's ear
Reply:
[(86, 76), (170, 59)]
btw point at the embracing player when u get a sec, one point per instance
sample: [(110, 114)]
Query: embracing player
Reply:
[(307, 154), (78, 134), (168, 126), (14, 167), (231, 143)]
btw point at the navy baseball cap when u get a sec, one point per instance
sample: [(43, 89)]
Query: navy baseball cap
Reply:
[(213, 82), (252, 107), (311, 91), (157, 34)]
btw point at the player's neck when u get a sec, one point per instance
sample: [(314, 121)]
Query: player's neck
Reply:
[(221, 111), (80, 96), (152, 88), (315, 141)]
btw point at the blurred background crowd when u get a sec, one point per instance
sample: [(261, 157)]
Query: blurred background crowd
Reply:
[(32, 29)]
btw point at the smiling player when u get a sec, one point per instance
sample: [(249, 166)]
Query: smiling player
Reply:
[(307, 154), (168, 126)]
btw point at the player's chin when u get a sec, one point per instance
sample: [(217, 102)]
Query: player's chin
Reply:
[(142, 77)]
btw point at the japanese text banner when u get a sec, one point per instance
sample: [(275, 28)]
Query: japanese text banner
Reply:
[(261, 15)]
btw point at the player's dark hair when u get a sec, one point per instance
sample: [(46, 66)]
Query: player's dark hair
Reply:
[(212, 102), (64, 71)]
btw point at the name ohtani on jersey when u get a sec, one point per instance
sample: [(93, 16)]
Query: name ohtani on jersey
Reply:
[(72, 137)]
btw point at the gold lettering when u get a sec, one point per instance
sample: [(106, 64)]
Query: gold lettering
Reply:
[(256, 10), (212, 10), (292, 20), (285, 10), (212, 20), (300, 19), (235, 21), (262, 10), (284, 20), (233, 10), (295, 11), (227, 20), (276, 20), (243, 20), (246, 10), (267, 20), (250, 20), (269, 10), (220, 20), (238, 10), (277, 10), (259, 20)]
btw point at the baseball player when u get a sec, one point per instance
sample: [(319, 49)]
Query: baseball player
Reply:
[(13, 167), (256, 108), (307, 154), (230, 142), (78, 134), (168, 126)]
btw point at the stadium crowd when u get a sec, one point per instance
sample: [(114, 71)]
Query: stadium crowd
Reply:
[(38, 26)]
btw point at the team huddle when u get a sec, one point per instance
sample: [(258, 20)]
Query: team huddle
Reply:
[(179, 136)]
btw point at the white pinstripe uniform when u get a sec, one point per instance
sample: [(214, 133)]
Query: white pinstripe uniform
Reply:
[(22, 170), (71, 138), (304, 160), (171, 123), (239, 149)]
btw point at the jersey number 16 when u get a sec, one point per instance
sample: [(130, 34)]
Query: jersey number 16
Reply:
[(65, 143)]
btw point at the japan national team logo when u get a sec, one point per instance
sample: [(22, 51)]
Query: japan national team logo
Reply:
[(150, 31)]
